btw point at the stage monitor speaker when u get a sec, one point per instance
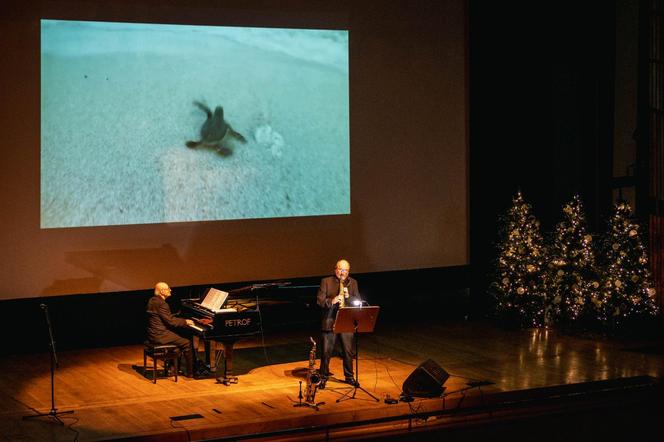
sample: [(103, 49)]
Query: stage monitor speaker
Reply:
[(426, 381)]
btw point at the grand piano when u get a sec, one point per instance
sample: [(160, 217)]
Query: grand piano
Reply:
[(224, 318)]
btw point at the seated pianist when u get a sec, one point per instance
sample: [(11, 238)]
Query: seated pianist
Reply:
[(162, 323)]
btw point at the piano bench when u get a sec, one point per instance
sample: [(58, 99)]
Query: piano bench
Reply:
[(161, 352)]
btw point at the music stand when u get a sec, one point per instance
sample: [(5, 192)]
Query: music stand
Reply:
[(356, 320)]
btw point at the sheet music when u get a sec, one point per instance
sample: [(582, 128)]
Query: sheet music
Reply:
[(214, 299)]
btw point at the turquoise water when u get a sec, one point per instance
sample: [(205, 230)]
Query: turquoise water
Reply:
[(117, 110)]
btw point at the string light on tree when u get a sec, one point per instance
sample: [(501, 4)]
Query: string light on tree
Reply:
[(573, 275), (628, 284), (519, 287)]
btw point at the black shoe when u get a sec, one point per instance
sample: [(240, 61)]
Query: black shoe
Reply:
[(202, 374), (187, 373), (352, 382)]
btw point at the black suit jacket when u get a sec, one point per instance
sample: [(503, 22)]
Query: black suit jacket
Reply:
[(160, 319), (328, 290)]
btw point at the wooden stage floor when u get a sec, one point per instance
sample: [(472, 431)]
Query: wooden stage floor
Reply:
[(491, 370)]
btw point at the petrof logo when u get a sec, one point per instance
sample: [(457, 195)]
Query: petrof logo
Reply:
[(243, 322)]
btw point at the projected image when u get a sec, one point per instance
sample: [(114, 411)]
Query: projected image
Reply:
[(149, 123)]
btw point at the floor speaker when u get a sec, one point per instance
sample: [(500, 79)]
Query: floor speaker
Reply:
[(426, 380)]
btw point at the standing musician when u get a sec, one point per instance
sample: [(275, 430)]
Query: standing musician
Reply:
[(336, 291)]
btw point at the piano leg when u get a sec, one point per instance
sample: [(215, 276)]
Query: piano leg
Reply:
[(228, 378), (208, 359)]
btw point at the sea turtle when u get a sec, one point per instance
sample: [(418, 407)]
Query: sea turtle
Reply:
[(214, 130)]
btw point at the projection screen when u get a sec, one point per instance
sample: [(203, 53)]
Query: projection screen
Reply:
[(349, 140)]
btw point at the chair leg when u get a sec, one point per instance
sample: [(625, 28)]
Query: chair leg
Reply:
[(177, 368), (154, 371)]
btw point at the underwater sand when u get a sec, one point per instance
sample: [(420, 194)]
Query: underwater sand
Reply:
[(114, 128)]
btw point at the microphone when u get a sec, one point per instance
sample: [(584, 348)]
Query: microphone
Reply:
[(42, 306)]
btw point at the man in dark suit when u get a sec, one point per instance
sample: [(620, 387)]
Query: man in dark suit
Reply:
[(336, 291), (161, 323)]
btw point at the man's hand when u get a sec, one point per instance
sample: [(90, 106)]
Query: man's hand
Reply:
[(336, 299), (189, 322)]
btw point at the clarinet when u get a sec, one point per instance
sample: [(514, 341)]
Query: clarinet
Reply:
[(313, 377)]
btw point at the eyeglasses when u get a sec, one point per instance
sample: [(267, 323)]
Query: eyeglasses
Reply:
[(342, 270)]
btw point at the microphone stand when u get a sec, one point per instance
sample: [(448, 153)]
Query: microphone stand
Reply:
[(54, 363)]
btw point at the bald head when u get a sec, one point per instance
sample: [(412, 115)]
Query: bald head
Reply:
[(162, 289), (342, 269)]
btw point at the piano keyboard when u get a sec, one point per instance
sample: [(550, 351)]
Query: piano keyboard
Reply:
[(197, 328), (225, 310)]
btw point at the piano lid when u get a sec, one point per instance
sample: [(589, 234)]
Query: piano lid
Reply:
[(252, 287)]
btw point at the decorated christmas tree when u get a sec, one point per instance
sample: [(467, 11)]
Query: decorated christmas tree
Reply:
[(574, 284), (627, 283), (519, 285)]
